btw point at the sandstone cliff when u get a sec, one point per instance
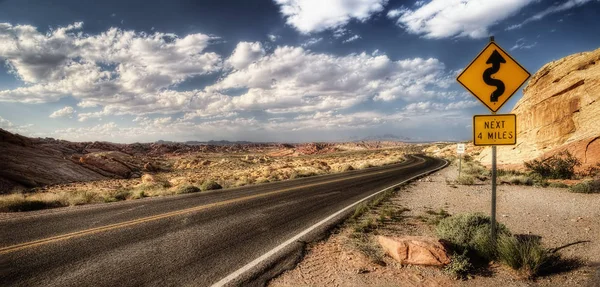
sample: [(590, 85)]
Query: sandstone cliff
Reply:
[(560, 110)]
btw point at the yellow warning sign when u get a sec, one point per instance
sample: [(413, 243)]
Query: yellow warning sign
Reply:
[(494, 129), (493, 77)]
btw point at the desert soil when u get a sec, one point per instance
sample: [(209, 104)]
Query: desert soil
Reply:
[(558, 216)]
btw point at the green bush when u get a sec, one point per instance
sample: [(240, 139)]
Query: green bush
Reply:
[(465, 180), (558, 166), (210, 185), (460, 265), (475, 169), (470, 232), (525, 255), (590, 186), (187, 188)]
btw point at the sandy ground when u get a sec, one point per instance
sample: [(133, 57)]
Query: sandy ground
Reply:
[(558, 216)]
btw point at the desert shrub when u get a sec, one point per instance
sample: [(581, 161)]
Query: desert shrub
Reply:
[(210, 185), (363, 243), (187, 188), (117, 195), (559, 166), (18, 202), (365, 226), (81, 197), (460, 265), (508, 172), (475, 169), (470, 232), (360, 210), (589, 186), (465, 180), (523, 254), (519, 180), (592, 171), (365, 165), (558, 185), (346, 167), (539, 180), (435, 216)]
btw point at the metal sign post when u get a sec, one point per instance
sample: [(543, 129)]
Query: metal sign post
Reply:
[(460, 149), (459, 163)]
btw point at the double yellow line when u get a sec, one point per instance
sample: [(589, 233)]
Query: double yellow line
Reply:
[(21, 246)]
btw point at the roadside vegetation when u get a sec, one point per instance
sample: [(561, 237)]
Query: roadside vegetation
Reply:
[(367, 218), (201, 173), (468, 236), (547, 172)]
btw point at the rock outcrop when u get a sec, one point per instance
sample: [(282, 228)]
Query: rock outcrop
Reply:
[(559, 110), (416, 250)]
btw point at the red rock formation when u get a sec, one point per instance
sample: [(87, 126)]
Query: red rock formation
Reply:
[(560, 110)]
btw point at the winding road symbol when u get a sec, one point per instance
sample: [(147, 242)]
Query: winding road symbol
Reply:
[(493, 77), (495, 59)]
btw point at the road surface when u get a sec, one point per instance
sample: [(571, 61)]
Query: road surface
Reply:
[(190, 240)]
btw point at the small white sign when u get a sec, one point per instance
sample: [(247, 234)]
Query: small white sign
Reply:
[(460, 148)]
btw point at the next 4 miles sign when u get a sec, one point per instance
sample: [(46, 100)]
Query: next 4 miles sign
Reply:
[(495, 129)]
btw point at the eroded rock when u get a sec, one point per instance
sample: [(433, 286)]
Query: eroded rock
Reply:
[(558, 111), (416, 250)]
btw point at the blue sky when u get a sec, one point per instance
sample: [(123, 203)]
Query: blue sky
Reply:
[(281, 70)]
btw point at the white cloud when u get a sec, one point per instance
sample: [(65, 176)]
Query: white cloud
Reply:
[(311, 41), (429, 106), (64, 112), (292, 79), (339, 32), (569, 4), (272, 37), (351, 39), (9, 126), (456, 18), (245, 53), (522, 44), (309, 16), (115, 67)]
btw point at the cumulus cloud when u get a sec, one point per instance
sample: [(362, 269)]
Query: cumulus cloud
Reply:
[(113, 67), (309, 16), (120, 72), (245, 53), (550, 10), (456, 18), (11, 127), (64, 112), (292, 79)]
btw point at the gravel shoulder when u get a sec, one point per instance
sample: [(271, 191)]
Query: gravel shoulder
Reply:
[(564, 220)]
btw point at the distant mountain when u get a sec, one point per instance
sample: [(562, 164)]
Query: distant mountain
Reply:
[(211, 142), (384, 137)]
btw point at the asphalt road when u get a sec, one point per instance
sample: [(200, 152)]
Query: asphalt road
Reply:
[(187, 240)]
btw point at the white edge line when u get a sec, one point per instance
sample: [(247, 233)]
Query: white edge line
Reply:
[(265, 256)]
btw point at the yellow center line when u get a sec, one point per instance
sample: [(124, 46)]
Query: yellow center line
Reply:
[(17, 247)]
